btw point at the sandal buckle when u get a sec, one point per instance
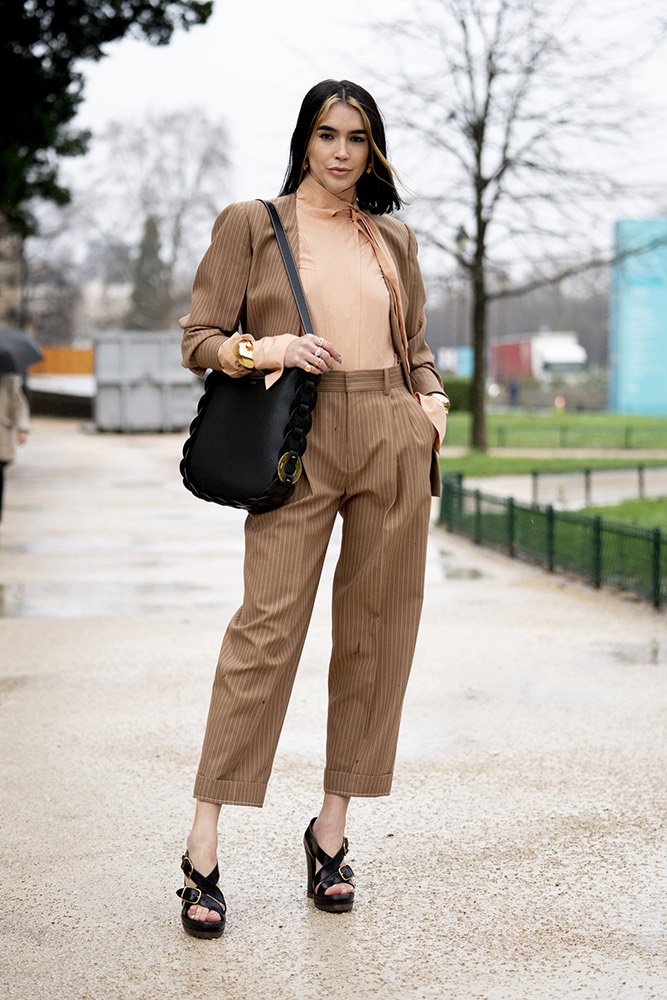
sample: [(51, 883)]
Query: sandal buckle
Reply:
[(185, 863), (345, 846), (346, 873), (190, 902)]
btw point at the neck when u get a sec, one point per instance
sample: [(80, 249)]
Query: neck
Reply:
[(349, 194)]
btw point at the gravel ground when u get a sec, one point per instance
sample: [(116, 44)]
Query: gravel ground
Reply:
[(521, 855)]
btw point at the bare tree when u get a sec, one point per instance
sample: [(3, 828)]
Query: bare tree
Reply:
[(511, 108), (172, 169), (49, 286)]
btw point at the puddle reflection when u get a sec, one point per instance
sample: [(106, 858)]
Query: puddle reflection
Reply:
[(631, 655), (109, 599)]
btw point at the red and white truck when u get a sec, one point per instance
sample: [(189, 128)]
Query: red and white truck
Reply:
[(542, 356)]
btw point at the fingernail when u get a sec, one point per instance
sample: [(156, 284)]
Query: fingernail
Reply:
[(340, 360)]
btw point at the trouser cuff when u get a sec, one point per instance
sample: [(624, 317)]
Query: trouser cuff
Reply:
[(347, 783), (233, 793)]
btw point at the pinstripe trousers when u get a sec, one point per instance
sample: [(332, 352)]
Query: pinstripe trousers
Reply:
[(368, 458)]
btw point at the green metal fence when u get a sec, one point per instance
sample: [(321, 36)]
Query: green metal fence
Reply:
[(602, 552)]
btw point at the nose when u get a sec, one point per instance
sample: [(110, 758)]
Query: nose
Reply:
[(341, 151)]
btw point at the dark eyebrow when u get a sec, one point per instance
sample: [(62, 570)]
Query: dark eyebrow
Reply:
[(329, 128)]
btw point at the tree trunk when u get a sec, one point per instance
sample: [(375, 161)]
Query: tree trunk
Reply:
[(478, 394)]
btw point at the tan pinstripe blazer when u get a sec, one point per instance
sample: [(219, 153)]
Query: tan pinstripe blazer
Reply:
[(241, 282)]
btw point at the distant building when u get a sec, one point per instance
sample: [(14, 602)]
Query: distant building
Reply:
[(457, 361), (105, 305), (638, 319)]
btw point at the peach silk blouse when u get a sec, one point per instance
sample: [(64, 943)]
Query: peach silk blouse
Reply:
[(349, 278), (343, 279)]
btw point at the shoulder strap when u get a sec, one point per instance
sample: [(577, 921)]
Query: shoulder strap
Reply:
[(290, 266)]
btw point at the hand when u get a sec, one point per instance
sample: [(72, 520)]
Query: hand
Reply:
[(320, 354), (22, 437)]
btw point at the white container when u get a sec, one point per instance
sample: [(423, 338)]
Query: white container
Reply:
[(141, 385)]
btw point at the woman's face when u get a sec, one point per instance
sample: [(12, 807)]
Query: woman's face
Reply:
[(339, 151)]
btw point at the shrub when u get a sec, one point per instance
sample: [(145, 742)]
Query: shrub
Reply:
[(458, 390)]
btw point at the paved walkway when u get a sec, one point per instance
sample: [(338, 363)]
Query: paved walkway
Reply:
[(568, 491), (521, 856)]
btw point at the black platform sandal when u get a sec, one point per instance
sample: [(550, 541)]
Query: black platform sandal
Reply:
[(207, 893), (332, 872)]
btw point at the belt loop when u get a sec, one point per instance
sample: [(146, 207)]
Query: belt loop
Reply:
[(386, 382)]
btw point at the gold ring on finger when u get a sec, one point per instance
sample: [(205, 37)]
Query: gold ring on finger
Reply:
[(320, 342), (306, 368)]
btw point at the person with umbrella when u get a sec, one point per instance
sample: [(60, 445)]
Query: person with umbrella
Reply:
[(17, 352)]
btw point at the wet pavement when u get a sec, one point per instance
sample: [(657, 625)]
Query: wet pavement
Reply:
[(521, 855)]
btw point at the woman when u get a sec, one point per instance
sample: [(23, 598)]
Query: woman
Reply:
[(14, 422), (371, 456)]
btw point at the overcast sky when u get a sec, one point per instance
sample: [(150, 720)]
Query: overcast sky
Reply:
[(253, 62)]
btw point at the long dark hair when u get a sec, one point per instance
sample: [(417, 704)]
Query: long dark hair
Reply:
[(376, 191)]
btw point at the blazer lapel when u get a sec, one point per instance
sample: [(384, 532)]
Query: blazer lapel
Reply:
[(397, 340)]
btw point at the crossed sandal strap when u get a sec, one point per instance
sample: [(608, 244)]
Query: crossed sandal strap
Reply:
[(207, 893), (333, 871)]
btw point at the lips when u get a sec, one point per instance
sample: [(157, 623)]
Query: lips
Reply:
[(339, 171)]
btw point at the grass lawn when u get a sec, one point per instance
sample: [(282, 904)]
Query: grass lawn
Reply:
[(522, 429), (646, 513), (476, 463)]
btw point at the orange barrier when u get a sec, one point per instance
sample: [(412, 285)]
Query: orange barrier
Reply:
[(64, 361)]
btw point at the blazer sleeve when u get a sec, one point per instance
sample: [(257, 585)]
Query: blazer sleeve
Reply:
[(219, 291), (423, 373)]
